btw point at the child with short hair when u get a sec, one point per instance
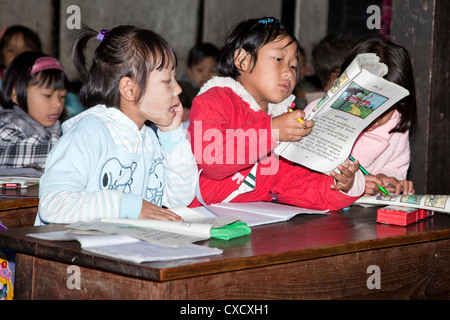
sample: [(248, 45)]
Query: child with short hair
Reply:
[(33, 98), (108, 163), (201, 66), (328, 56), (16, 40), (304, 88), (249, 102)]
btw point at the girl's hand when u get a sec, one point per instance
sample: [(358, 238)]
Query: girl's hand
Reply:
[(151, 211), (345, 179), (391, 184), (286, 127), (176, 120), (408, 187)]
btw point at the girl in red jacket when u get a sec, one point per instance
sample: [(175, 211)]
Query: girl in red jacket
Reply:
[(239, 118)]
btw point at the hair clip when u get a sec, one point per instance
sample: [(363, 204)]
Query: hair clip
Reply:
[(268, 20), (101, 35)]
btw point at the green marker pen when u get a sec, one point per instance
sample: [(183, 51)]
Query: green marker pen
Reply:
[(368, 174)]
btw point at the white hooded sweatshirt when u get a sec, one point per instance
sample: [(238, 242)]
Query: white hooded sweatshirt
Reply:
[(104, 166)]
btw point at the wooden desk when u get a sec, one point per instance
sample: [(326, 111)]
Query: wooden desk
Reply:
[(18, 208), (308, 257)]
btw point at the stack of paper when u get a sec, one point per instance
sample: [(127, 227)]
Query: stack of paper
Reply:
[(128, 248), (195, 227), (143, 239), (155, 240)]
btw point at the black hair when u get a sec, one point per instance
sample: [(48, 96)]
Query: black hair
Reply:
[(18, 77), (30, 38), (329, 54), (398, 61), (201, 51), (125, 51), (250, 35)]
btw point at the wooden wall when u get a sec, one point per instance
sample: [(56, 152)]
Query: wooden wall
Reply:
[(422, 26), (175, 20)]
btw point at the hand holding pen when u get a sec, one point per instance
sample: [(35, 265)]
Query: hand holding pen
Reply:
[(345, 178), (392, 185), (368, 174), (374, 182), (290, 126)]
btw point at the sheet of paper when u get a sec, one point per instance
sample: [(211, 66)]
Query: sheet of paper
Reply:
[(252, 219), (269, 208), (146, 252), (84, 240), (257, 213)]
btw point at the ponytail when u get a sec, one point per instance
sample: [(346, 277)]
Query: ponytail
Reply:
[(79, 51)]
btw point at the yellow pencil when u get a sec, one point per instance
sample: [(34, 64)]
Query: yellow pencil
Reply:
[(298, 119)]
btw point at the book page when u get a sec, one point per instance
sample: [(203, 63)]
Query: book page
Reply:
[(267, 208), (439, 203), (159, 237), (340, 119), (250, 218), (146, 252), (84, 240), (196, 227), (260, 212)]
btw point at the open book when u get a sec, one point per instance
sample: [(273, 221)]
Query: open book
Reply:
[(128, 248), (195, 227), (355, 100), (256, 213), (439, 203)]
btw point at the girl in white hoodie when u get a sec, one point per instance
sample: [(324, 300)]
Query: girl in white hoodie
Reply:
[(108, 163)]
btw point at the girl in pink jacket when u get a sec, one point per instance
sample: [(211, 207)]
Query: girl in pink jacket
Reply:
[(383, 148)]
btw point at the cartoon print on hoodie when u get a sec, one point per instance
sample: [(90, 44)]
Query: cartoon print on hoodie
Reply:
[(155, 189), (116, 176)]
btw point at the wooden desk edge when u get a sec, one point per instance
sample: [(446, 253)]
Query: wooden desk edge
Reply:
[(295, 256), (22, 203), (26, 198), (214, 265)]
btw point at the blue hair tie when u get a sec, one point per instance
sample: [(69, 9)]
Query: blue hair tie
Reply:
[(267, 21)]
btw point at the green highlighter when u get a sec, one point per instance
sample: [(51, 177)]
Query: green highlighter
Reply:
[(368, 174), (234, 230)]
